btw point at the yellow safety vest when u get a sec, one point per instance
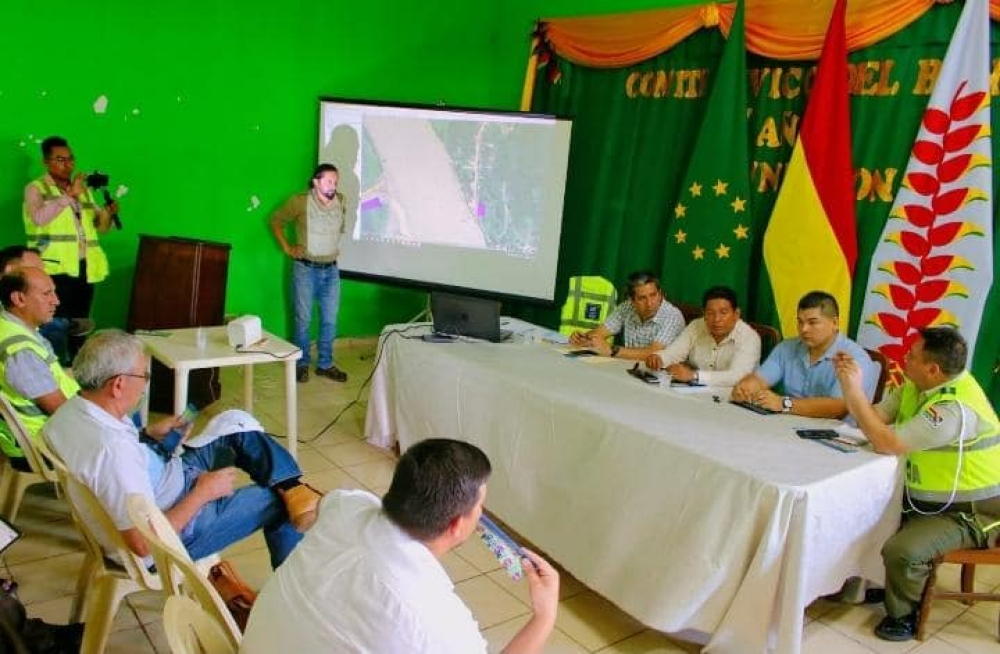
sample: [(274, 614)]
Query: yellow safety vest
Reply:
[(57, 241), (14, 338), (588, 304), (930, 474)]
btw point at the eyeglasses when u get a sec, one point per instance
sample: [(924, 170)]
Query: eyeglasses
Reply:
[(144, 376), (63, 160)]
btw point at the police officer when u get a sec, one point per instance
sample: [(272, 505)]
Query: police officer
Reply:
[(941, 420)]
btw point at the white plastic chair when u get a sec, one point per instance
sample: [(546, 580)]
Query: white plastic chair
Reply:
[(14, 482), (178, 573), (110, 572), (191, 630)]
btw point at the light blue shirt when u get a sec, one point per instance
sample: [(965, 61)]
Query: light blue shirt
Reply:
[(789, 365)]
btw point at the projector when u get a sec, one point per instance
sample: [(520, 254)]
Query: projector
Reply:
[(244, 331)]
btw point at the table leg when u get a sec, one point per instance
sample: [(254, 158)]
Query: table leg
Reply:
[(291, 409), (180, 390), (144, 409), (248, 387)]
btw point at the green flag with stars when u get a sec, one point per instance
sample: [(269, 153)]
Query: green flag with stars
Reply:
[(711, 235)]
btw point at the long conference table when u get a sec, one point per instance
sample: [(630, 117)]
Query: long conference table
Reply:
[(697, 517)]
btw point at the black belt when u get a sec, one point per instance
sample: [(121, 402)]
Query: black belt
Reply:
[(316, 264)]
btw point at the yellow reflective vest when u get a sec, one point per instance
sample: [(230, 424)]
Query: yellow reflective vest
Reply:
[(588, 304), (57, 241), (15, 337), (930, 474)]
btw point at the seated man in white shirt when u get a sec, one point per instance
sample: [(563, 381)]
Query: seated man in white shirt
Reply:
[(716, 350), (101, 447), (368, 578), (647, 322)]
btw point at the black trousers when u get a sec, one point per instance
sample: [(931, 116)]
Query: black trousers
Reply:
[(75, 294)]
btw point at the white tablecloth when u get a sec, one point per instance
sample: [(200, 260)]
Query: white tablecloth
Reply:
[(693, 516)]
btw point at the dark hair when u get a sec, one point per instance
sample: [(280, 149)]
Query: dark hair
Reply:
[(51, 143), (720, 293), (826, 303), (320, 169), (435, 481), (13, 282), (640, 278), (13, 253), (945, 347)]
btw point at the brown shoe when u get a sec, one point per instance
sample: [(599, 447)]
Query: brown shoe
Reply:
[(302, 504)]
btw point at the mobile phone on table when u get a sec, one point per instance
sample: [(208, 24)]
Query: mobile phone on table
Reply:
[(582, 353), (816, 434), (507, 551), (647, 376)]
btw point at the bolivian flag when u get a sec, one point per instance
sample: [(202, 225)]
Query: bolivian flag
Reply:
[(811, 238)]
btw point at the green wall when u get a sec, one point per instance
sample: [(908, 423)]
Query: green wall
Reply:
[(211, 104)]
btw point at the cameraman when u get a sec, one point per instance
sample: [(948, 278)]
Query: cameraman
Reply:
[(62, 220)]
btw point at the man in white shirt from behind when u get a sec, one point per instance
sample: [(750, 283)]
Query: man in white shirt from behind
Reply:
[(368, 579), (716, 350)]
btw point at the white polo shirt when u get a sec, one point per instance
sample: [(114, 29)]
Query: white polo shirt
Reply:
[(357, 583), (104, 453)]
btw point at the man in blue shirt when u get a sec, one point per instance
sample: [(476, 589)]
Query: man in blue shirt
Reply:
[(803, 366)]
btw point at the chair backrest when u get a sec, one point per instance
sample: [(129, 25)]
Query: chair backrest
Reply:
[(178, 573), (588, 304), (689, 311), (191, 630), (36, 462), (883, 375), (769, 337), (101, 537)]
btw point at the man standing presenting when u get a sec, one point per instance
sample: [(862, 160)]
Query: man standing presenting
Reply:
[(717, 350), (320, 221), (803, 366), (942, 422), (62, 220), (368, 577), (649, 323), (31, 378)]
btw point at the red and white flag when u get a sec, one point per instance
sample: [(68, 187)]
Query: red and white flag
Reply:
[(934, 263)]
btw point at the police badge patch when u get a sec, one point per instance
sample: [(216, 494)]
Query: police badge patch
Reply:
[(933, 416)]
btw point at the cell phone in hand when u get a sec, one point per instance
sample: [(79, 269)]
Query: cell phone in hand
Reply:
[(189, 415), (507, 551), (582, 353)]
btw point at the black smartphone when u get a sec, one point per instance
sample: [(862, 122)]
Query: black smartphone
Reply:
[(644, 375), (817, 434), (582, 353), (756, 408)]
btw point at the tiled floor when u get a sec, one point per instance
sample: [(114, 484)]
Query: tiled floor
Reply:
[(46, 560)]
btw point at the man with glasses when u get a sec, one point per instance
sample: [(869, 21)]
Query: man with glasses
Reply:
[(31, 378), (94, 436), (62, 220)]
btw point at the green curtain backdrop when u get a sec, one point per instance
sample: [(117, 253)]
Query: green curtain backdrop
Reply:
[(634, 133)]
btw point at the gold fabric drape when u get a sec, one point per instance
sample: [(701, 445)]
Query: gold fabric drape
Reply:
[(780, 29)]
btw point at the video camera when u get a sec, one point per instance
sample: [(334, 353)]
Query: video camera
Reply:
[(99, 181)]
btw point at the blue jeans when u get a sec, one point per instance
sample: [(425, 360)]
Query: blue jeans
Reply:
[(222, 522), (322, 286)]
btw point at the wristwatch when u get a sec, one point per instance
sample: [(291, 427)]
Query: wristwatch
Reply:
[(786, 404), (615, 349)]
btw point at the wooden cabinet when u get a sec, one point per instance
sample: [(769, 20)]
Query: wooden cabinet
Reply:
[(179, 282)]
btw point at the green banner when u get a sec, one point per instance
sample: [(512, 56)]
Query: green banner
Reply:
[(635, 132)]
